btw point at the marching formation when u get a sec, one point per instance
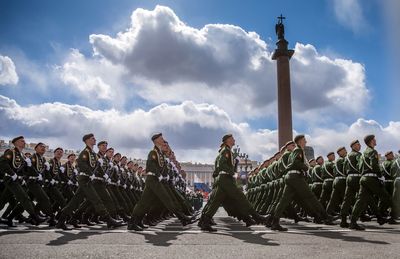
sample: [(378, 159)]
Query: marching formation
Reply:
[(92, 188), (356, 185), (106, 188)]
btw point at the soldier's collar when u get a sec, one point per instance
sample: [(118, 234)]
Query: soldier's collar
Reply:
[(89, 148)]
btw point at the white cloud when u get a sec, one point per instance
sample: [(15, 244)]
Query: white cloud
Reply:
[(8, 73), (193, 130), (329, 139), (162, 59), (349, 13)]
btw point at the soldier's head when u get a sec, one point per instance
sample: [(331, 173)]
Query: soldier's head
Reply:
[(89, 140), (110, 152), (300, 141), (58, 153), (158, 140), (123, 160), (117, 157), (389, 155), (102, 146), (19, 142), (135, 167), (320, 160), (331, 156), (130, 165), (40, 148), (71, 158), (342, 152), (290, 145), (228, 140), (370, 141), (355, 145), (312, 162), (140, 170)]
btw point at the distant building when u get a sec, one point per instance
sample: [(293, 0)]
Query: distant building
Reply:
[(198, 172)]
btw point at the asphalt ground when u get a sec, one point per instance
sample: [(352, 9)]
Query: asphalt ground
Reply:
[(232, 240)]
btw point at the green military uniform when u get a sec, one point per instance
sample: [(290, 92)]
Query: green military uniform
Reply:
[(225, 188), (339, 186), (33, 176), (88, 164), (317, 181), (296, 186), (386, 166), (370, 185), (154, 191), (328, 177), (51, 184), (12, 166), (352, 182)]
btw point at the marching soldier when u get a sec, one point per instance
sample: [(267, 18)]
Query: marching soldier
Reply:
[(328, 177), (88, 164), (370, 185), (12, 166)]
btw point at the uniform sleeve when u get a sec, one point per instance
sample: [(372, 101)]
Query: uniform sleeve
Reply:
[(296, 161), (5, 161), (83, 162), (152, 163), (374, 161), (224, 162)]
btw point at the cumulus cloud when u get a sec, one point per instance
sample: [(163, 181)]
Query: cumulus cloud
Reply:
[(329, 139), (8, 73), (350, 14), (193, 130), (162, 59)]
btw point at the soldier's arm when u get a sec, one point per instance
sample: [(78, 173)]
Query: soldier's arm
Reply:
[(83, 162), (375, 162), (296, 161), (152, 163), (5, 161)]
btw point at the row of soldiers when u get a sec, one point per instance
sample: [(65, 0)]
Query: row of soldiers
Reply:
[(348, 187), (97, 187)]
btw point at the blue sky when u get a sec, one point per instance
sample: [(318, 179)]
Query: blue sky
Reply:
[(41, 34)]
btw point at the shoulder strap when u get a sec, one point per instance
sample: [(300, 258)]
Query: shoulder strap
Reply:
[(348, 160)]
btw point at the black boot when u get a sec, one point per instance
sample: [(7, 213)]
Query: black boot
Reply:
[(276, 225), (61, 222), (185, 220), (52, 222), (259, 219), (133, 224), (353, 225), (205, 224), (268, 223), (381, 220), (249, 221), (343, 223), (112, 223), (85, 220), (392, 221)]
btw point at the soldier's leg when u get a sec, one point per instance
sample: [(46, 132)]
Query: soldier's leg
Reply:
[(363, 198), (41, 197), (105, 197), (352, 188), (21, 196), (336, 196)]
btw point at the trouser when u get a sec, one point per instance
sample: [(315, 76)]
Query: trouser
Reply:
[(339, 188), (57, 199), (370, 187), (153, 192), (225, 190), (352, 188), (278, 193), (296, 186), (317, 189), (326, 192), (104, 195), (43, 201), (67, 191), (14, 188), (85, 191)]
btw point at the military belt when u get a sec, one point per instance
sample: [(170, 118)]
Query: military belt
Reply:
[(357, 175), (83, 174), (397, 178), (294, 172), (370, 175), (98, 178), (340, 177), (328, 180), (33, 177), (112, 183), (153, 174), (388, 181), (223, 172), (317, 183)]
